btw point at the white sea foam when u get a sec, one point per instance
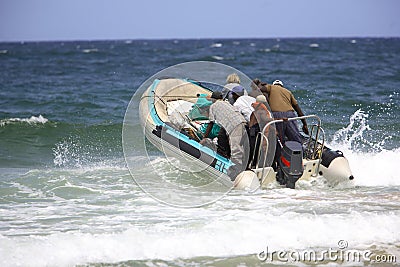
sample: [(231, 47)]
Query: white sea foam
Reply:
[(217, 57), (127, 225), (374, 169), (266, 50), (32, 120), (92, 50), (228, 235), (216, 45)]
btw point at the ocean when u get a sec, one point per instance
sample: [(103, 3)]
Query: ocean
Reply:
[(67, 197)]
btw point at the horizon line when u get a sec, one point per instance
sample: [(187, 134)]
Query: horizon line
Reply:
[(192, 38)]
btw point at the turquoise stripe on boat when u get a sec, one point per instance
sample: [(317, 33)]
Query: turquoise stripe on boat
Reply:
[(197, 145), (152, 108)]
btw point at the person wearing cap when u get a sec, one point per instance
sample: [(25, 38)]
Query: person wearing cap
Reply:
[(242, 102), (258, 119), (232, 125), (277, 82), (232, 81), (283, 105)]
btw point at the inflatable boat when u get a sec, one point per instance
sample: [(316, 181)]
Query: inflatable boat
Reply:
[(168, 116)]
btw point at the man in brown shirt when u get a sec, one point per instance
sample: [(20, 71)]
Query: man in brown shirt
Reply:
[(283, 104)]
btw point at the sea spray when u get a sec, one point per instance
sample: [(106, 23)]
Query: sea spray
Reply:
[(371, 163), (358, 135)]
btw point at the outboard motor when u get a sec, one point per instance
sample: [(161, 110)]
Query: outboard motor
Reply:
[(290, 167)]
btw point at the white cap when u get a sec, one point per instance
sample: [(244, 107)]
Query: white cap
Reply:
[(277, 82)]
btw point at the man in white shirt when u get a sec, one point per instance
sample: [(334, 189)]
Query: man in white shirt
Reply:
[(242, 102)]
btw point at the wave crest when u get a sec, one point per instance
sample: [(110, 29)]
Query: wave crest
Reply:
[(32, 120)]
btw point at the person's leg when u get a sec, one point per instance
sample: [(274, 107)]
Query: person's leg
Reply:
[(291, 129), (254, 147), (223, 147), (280, 126), (237, 138)]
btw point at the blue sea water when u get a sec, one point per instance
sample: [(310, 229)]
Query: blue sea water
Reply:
[(67, 198)]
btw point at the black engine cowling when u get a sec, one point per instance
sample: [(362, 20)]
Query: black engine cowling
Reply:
[(290, 167)]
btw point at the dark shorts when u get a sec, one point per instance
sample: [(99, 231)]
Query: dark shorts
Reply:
[(287, 131), (223, 147)]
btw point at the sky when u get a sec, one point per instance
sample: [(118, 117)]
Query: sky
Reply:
[(44, 20)]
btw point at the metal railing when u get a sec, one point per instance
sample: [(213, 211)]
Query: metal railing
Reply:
[(314, 147)]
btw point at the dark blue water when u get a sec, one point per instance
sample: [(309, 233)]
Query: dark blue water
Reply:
[(63, 180), (84, 87)]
